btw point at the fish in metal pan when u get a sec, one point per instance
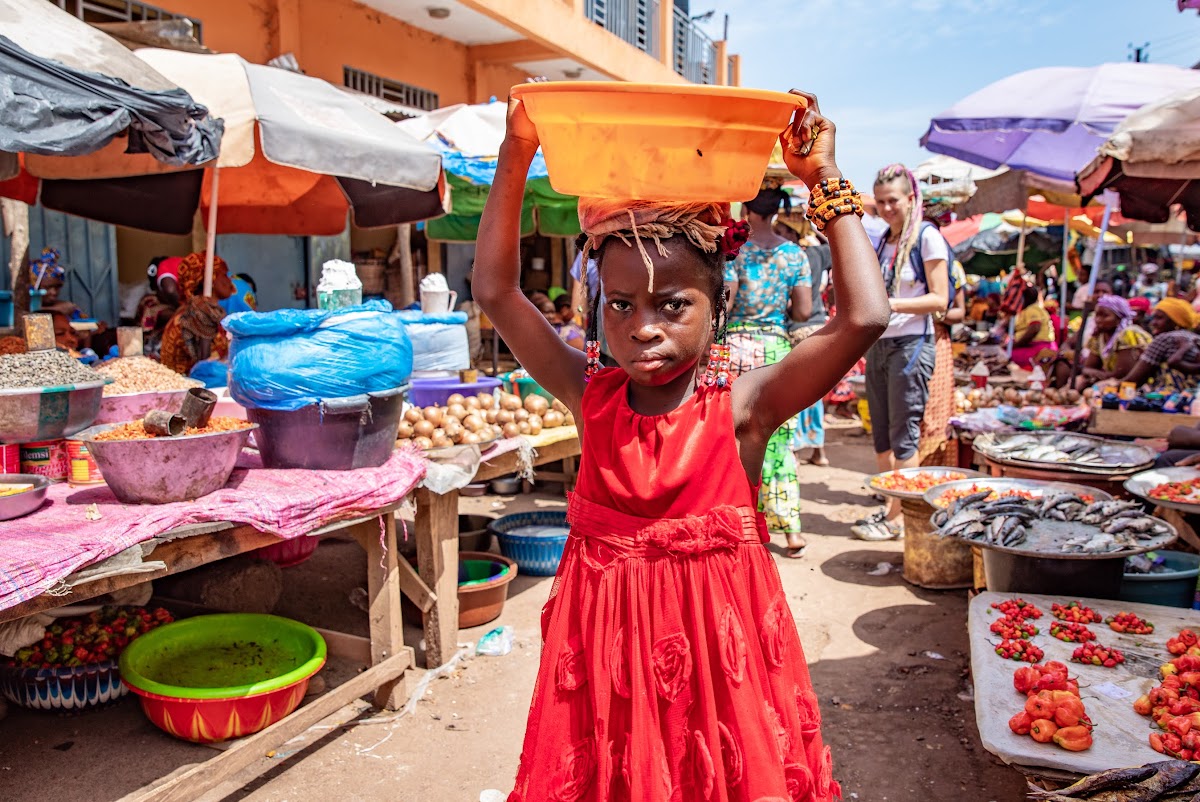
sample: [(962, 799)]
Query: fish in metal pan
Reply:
[(1103, 781), (1063, 448)]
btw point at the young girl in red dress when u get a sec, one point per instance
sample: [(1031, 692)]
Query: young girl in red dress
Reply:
[(671, 666)]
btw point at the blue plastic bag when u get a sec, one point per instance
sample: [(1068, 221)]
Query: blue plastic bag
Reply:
[(291, 358), (213, 372)]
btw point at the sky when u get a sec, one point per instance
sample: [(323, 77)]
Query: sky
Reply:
[(881, 69)]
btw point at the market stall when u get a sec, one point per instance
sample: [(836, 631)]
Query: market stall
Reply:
[(1121, 737)]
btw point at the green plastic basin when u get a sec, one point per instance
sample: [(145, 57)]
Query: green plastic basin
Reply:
[(223, 656)]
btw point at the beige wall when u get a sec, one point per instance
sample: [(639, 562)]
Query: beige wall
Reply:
[(136, 248)]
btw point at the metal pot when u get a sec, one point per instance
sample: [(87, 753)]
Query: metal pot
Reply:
[(1094, 578)]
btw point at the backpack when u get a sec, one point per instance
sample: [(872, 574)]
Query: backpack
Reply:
[(918, 262)]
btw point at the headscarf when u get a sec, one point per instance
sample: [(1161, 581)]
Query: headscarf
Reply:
[(1119, 307), (195, 330), (1139, 305), (1179, 311), (703, 224)]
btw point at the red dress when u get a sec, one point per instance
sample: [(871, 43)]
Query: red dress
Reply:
[(671, 667)]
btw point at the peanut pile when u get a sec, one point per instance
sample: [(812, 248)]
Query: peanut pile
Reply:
[(139, 374)]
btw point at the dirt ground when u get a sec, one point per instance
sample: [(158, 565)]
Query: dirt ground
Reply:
[(889, 662)]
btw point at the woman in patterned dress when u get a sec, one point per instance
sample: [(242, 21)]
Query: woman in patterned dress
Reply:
[(768, 283)]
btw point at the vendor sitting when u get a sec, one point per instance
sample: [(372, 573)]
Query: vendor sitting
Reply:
[(194, 333), (1116, 343), (568, 330), (1171, 361)]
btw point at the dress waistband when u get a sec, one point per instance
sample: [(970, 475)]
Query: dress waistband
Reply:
[(725, 527)]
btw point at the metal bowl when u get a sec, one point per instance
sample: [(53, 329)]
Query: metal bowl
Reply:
[(32, 414), (134, 406), (1120, 458), (933, 494), (20, 504), (1141, 484), (160, 470), (919, 494)]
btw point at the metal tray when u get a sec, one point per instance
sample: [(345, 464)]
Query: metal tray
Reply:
[(1044, 532), (20, 504), (1126, 457), (1000, 485), (1140, 485), (917, 494)]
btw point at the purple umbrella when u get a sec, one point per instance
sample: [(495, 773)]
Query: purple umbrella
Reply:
[(1050, 121), (1185, 5)]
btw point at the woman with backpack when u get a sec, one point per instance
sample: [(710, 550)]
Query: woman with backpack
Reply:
[(915, 261)]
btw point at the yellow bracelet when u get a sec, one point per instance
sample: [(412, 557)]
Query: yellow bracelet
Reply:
[(827, 189)]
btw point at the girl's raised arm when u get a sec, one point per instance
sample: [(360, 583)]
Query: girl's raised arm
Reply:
[(555, 365), (767, 397)]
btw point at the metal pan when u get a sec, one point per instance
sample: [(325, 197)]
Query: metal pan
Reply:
[(1045, 534), (1141, 484), (959, 474), (1121, 458)]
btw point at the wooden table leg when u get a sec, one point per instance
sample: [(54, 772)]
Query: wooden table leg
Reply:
[(437, 556), (383, 588)]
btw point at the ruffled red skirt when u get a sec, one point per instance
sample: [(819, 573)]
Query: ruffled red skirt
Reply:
[(671, 669)]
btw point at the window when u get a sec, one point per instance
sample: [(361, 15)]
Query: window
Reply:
[(122, 11), (394, 91)]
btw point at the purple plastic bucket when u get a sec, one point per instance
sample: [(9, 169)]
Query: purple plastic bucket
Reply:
[(434, 392)]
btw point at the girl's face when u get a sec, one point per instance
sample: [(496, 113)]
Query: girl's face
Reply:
[(657, 336), (1106, 321)]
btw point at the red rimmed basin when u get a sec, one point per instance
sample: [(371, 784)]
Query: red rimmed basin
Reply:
[(216, 677)]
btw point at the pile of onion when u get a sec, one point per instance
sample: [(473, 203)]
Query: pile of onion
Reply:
[(478, 419)]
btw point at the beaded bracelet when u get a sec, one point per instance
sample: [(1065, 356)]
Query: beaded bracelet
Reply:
[(828, 189), (821, 216)]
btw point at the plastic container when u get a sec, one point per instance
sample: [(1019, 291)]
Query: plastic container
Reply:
[(656, 141), (434, 392), (1174, 588), (535, 555), (255, 671), (523, 386), (336, 435), (10, 458), (63, 690), (288, 553), (482, 587)]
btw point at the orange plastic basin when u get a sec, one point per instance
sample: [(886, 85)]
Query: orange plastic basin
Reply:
[(656, 141)]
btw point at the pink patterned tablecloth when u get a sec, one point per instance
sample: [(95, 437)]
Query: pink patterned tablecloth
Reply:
[(42, 548)]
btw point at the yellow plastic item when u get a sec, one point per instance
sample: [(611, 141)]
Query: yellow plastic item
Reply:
[(656, 141), (864, 412)]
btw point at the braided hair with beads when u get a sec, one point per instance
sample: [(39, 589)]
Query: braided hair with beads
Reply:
[(717, 244)]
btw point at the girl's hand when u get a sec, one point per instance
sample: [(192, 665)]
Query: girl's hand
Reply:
[(807, 143), (520, 127)]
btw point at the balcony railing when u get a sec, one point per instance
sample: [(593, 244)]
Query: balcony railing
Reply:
[(635, 21), (123, 11), (695, 56)]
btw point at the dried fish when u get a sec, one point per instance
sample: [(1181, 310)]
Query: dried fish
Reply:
[(1114, 778)]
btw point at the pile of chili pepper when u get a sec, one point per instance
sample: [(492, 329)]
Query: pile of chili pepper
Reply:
[(1183, 642), (1017, 608), (1075, 612), (94, 638), (1071, 632), (1129, 623), (1021, 650), (1011, 628), (1096, 654), (1174, 704), (1053, 712)]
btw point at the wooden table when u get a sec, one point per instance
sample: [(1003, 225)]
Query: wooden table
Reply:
[(1122, 423), (437, 546), (384, 651)]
